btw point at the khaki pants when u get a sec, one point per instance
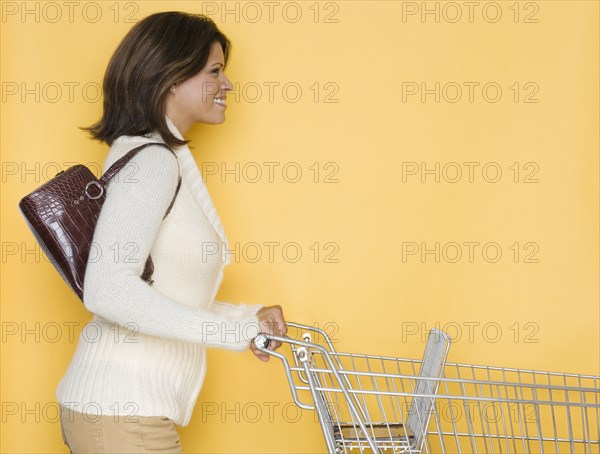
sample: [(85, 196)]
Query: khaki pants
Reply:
[(118, 434)]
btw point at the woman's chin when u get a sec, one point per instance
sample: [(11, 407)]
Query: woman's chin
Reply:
[(216, 120)]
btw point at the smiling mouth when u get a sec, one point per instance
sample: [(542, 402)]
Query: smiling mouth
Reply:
[(220, 101)]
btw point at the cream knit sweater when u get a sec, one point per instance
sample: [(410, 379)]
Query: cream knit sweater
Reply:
[(143, 352)]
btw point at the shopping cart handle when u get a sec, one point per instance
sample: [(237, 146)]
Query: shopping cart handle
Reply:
[(261, 341)]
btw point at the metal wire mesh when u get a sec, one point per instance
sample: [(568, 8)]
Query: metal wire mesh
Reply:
[(369, 403)]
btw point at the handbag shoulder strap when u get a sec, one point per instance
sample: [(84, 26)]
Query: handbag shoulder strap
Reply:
[(119, 163)]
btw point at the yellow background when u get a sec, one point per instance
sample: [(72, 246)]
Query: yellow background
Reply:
[(542, 315)]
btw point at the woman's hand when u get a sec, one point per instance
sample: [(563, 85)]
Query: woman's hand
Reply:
[(271, 321)]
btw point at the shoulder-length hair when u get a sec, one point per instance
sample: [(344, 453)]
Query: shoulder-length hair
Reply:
[(161, 50)]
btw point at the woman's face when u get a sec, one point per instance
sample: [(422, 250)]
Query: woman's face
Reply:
[(201, 98)]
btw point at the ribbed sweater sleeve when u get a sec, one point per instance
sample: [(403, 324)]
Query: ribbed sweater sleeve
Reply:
[(235, 310), (135, 204)]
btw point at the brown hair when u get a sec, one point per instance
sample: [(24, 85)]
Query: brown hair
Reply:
[(159, 51)]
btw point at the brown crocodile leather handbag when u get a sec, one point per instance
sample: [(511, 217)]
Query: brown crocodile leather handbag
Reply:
[(63, 212)]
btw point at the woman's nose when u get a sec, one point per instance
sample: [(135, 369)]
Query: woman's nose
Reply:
[(226, 83)]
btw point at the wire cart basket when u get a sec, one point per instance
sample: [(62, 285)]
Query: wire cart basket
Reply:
[(378, 404)]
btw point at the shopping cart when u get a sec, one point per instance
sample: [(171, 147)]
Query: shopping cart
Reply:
[(378, 404)]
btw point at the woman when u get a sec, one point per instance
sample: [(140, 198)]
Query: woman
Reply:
[(140, 362)]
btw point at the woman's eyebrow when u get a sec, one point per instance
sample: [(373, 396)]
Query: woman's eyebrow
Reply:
[(217, 63)]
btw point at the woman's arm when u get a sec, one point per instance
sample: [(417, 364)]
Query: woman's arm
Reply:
[(235, 310), (128, 223)]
